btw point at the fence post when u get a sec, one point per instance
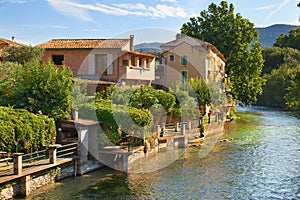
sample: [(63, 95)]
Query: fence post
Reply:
[(17, 158), (189, 125), (158, 129), (52, 153), (177, 127), (163, 128), (183, 127)]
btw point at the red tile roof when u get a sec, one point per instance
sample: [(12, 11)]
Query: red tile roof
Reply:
[(84, 43), (6, 42)]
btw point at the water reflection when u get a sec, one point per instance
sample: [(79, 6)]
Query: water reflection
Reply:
[(262, 162)]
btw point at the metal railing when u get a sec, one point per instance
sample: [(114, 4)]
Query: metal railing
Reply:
[(34, 158), (47, 156), (5, 165), (68, 150)]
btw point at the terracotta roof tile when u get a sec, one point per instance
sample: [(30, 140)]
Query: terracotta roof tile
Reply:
[(84, 43), (9, 42)]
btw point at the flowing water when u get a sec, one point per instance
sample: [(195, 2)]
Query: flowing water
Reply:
[(262, 162)]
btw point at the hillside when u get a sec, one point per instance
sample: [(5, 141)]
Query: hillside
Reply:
[(268, 35), (148, 47)]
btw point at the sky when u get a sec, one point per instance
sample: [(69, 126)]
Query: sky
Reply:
[(36, 21)]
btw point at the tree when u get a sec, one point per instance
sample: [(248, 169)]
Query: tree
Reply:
[(45, 89), (293, 95), (201, 90), (237, 39), (22, 54), (281, 65), (275, 57), (292, 40)]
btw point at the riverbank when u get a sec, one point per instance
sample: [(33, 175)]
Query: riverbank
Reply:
[(260, 163)]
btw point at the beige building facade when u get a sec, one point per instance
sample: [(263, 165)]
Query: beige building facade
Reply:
[(188, 57)]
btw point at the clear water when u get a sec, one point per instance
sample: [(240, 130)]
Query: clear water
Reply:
[(262, 162)]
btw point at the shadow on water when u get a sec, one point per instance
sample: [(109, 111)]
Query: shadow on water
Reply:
[(262, 162)]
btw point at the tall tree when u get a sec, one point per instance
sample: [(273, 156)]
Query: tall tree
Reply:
[(292, 40), (237, 39)]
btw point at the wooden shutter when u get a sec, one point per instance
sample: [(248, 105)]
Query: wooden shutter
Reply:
[(91, 64), (110, 64)]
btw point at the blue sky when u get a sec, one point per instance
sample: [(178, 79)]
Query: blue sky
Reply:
[(36, 21)]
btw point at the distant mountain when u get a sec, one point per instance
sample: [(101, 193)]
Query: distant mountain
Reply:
[(268, 35), (148, 47)]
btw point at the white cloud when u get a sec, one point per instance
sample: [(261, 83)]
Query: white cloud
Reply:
[(78, 10), (173, 1), (278, 8), (131, 6), (14, 1), (44, 26), (69, 8), (268, 7)]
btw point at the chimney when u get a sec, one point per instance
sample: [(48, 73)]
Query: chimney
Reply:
[(178, 36), (13, 38), (131, 42)]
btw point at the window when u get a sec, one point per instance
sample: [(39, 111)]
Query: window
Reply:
[(100, 63), (58, 59), (104, 64), (171, 57), (184, 76), (208, 63), (183, 60), (125, 62)]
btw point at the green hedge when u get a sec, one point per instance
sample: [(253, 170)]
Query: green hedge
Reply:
[(22, 131), (129, 119)]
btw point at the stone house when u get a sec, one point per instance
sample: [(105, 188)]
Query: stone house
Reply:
[(102, 61)]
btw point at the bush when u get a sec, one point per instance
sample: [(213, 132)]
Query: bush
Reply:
[(22, 131), (113, 117)]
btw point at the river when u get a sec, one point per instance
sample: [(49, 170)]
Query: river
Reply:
[(261, 162)]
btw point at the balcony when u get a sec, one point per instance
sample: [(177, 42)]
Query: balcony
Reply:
[(140, 73)]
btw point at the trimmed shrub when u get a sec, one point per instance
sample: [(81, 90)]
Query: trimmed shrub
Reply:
[(113, 117), (22, 131)]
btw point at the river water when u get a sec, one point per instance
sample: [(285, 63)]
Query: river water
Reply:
[(261, 162)]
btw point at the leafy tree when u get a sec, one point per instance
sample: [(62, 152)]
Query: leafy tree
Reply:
[(292, 40), (276, 87), (274, 57), (237, 39), (187, 106), (45, 89), (8, 71), (22, 54), (293, 95), (201, 90)]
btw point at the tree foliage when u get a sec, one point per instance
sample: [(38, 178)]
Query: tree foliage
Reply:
[(201, 90), (292, 40), (38, 88), (22, 54), (281, 65), (293, 96), (22, 131), (44, 88), (237, 39), (275, 57)]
